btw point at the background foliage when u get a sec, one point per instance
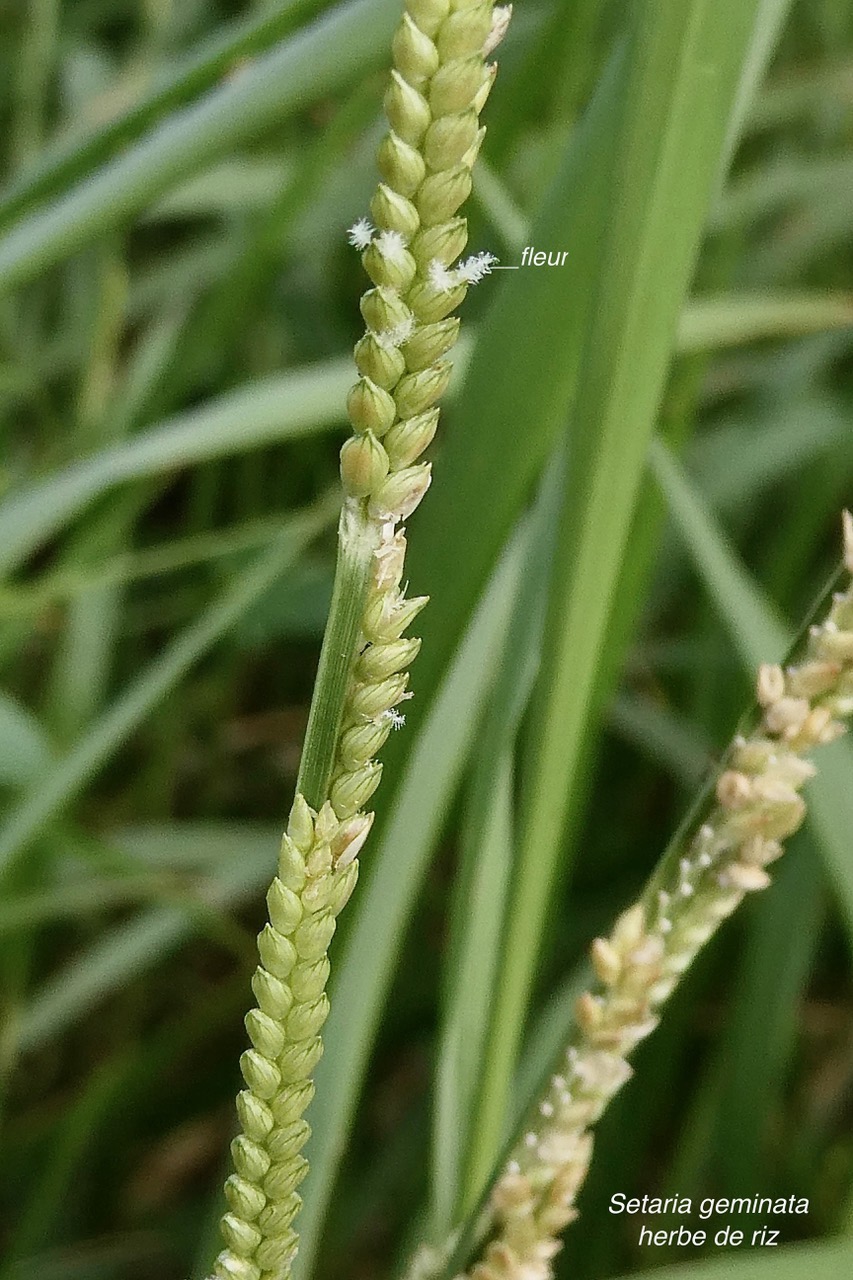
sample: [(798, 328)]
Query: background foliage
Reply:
[(177, 301)]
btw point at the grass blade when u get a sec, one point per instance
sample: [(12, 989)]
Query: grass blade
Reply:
[(267, 411), (63, 164), (72, 771), (331, 53), (685, 65)]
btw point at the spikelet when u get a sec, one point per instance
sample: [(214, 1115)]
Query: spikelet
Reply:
[(438, 87), (757, 805)]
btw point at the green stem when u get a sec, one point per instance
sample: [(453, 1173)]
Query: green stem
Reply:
[(358, 538)]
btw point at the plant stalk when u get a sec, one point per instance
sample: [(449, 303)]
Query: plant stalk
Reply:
[(358, 538)]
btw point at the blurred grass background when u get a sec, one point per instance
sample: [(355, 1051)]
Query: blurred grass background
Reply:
[(177, 303)]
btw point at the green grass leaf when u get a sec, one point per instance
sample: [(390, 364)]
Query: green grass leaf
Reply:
[(71, 772), (328, 55), (65, 162), (684, 69), (830, 1260), (25, 751), (266, 411)]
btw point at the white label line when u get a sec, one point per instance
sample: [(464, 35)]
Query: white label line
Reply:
[(506, 268)]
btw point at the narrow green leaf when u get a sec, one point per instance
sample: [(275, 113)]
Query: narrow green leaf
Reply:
[(65, 162), (72, 771), (267, 411), (829, 1260), (708, 324), (483, 880), (331, 53), (121, 954), (685, 65), (25, 751)]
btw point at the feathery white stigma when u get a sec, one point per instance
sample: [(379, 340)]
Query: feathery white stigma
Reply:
[(399, 334), (472, 270), (391, 245), (440, 276), (469, 272), (360, 234)]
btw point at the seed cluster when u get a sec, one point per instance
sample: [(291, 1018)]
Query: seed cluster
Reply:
[(438, 87), (316, 875), (758, 804)]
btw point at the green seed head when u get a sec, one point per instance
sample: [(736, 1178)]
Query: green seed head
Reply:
[(255, 1117), (370, 408), (250, 1159), (441, 194), (386, 620), (464, 32), (429, 303), (260, 1074), (401, 165), (286, 1177), (265, 1033), (309, 978), (449, 138), (407, 110), (276, 951), (455, 85), (415, 55), (379, 662), (384, 310), (277, 1253), (345, 882), (364, 464), (388, 262), (289, 1104), (240, 1235), (429, 344), (351, 791), (305, 1020), (245, 1199), (300, 825), (299, 1060), (276, 1218), (371, 700), (428, 14), (442, 243), (273, 995), (361, 743), (284, 907), (291, 865), (406, 441), (288, 1140), (394, 212), (379, 361), (417, 392), (312, 939), (318, 891)]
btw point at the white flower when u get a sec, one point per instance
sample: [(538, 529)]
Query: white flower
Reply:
[(391, 245), (398, 335), (396, 718), (440, 277), (360, 234), (472, 270)]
